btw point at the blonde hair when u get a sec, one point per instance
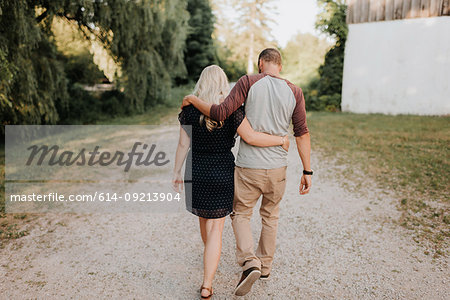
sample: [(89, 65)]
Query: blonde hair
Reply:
[(211, 87)]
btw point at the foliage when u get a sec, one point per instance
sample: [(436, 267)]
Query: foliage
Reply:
[(146, 38), (88, 108), (82, 108), (71, 42), (234, 69), (165, 113), (32, 73), (317, 102), (332, 20), (82, 69), (302, 56), (249, 32), (200, 50), (114, 103), (326, 92)]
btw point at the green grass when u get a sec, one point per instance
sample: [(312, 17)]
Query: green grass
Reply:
[(407, 154)]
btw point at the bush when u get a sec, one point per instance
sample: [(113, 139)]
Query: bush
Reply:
[(83, 107), (233, 69), (326, 91), (114, 103), (82, 69), (315, 100), (86, 107)]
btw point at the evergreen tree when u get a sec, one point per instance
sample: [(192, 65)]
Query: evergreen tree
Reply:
[(332, 21), (199, 51)]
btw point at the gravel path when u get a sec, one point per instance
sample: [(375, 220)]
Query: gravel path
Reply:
[(332, 244)]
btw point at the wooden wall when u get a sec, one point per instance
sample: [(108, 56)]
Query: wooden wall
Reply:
[(360, 11)]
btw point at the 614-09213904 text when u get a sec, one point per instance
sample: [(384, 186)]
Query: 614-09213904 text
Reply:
[(101, 197)]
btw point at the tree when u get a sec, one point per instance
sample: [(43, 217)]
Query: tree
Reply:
[(249, 32), (233, 65), (32, 74), (200, 50), (302, 56), (146, 38), (332, 21), (253, 28)]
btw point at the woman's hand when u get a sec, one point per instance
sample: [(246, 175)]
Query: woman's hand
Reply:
[(286, 143), (177, 182)]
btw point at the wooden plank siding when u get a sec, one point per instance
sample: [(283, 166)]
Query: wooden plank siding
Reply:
[(360, 11)]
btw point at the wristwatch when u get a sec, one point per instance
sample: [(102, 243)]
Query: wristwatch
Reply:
[(308, 172)]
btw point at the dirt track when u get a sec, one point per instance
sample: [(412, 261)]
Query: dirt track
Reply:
[(332, 244)]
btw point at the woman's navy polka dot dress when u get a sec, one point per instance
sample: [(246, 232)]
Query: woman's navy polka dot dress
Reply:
[(212, 190)]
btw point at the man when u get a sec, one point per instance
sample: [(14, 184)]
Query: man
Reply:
[(270, 104)]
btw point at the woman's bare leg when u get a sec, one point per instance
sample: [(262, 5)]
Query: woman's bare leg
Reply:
[(202, 222), (213, 248)]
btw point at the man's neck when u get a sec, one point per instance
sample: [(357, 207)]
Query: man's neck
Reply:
[(272, 70), (272, 73)]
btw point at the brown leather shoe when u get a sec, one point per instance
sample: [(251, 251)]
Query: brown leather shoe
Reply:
[(247, 280)]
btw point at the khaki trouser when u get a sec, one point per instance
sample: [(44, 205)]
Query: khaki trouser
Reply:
[(249, 185)]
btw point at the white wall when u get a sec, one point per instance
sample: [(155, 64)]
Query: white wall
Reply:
[(398, 67)]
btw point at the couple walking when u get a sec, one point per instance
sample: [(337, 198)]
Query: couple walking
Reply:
[(259, 108)]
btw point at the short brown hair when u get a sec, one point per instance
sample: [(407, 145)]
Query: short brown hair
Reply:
[(270, 55)]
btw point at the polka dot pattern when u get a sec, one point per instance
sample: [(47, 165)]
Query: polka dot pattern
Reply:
[(212, 190)]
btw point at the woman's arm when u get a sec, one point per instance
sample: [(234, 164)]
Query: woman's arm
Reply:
[(261, 139), (180, 156)]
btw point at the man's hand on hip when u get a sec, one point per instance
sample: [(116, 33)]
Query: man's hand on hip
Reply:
[(305, 184)]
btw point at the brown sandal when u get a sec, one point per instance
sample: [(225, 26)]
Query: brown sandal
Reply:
[(210, 290)]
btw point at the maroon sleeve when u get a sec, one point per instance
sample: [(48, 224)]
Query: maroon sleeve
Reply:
[(233, 101), (299, 114)]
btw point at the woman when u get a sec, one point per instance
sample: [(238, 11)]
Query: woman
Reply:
[(210, 196)]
